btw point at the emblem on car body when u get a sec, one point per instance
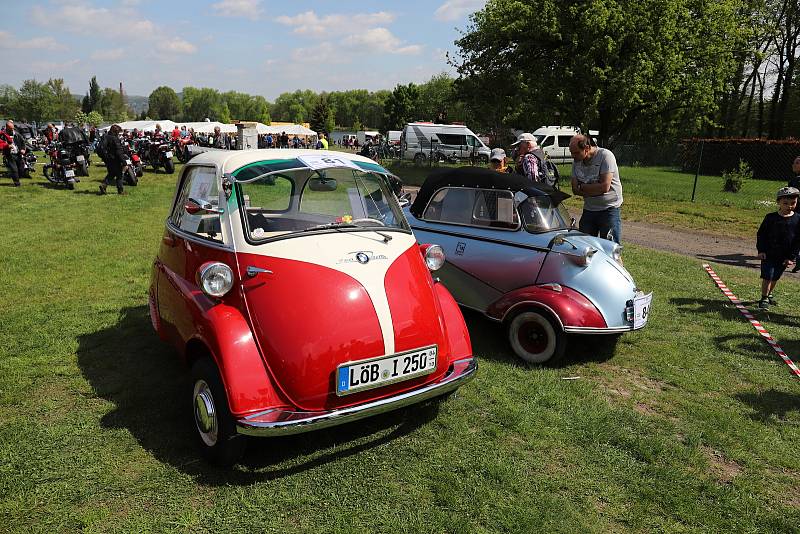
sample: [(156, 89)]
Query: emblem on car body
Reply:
[(363, 257)]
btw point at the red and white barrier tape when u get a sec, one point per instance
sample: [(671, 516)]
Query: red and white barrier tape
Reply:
[(749, 316)]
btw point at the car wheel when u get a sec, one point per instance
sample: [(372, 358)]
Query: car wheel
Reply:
[(216, 429), (419, 159), (535, 339)]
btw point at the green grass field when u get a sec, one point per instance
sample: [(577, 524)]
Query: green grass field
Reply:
[(690, 425)]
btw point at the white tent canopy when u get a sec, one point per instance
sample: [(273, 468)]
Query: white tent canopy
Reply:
[(208, 127)]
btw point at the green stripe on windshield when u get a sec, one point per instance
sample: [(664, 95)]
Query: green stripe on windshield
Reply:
[(262, 167)]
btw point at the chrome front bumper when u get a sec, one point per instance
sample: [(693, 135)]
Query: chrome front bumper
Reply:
[(278, 422)]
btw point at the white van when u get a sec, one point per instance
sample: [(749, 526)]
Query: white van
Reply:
[(420, 140), (363, 135), (554, 141), (394, 137)]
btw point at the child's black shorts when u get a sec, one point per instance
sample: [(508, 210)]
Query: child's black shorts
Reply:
[(771, 271)]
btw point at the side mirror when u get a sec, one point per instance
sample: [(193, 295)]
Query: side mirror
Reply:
[(194, 207)]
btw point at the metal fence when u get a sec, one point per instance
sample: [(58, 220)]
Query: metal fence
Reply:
[(729, 173)]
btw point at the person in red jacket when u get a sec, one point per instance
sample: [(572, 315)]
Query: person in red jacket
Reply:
[(12, 144)]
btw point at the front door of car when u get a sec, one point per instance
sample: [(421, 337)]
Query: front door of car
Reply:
[(190, 239), (488, 253)]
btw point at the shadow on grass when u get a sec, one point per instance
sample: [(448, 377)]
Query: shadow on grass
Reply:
[(740, 260), (148, 384), (771, 404), (722, 307), (489, 342)]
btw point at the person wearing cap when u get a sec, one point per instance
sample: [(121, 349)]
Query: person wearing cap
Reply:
[(778, 243), (531, 160), (497, 160), (595, 177)]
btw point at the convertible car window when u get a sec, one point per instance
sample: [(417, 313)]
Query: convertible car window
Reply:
[(199, 184), (474, 207), (302, 200), (539, 215)]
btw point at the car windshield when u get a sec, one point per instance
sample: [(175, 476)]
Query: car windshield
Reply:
[(540, 215), (303, 200)]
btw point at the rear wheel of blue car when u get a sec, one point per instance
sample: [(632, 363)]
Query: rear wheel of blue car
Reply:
[(535, 338), (216, 428)]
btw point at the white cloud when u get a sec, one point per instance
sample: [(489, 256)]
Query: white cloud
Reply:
[(177, 45), (108, 55), (121, 23), (54, 66), (7, 40), (380, 40), (323, 52), (238, 8), (456, 9), (309, 23)]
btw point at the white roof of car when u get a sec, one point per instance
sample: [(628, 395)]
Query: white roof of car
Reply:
[(230, 160)]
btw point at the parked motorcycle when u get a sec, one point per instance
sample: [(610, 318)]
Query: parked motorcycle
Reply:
[(135, 168), (181, 149), (61, 168), (157, 153), (75, 141)]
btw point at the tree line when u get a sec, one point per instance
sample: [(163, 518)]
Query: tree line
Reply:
[(635, 71)]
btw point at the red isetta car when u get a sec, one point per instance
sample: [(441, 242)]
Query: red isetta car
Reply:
[(292, 285)]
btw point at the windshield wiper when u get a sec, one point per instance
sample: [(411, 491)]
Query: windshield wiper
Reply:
[(338, 225)]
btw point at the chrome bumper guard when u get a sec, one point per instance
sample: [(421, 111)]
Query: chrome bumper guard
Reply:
[(278, 422)]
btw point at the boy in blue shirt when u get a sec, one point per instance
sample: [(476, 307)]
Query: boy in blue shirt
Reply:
[(778, 242)]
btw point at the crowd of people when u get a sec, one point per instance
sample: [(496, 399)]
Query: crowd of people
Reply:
[(595, 177)]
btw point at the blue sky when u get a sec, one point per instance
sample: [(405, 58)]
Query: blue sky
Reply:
[(261, 47)]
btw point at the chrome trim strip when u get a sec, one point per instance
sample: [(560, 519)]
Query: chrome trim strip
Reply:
[(536, 304), (195, 239), (593, 330), (299, 422)]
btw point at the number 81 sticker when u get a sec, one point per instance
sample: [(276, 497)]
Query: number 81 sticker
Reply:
[(324, 161)]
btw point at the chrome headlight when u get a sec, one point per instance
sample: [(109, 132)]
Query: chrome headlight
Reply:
[(215, 279), (434, 256), (616, 253)]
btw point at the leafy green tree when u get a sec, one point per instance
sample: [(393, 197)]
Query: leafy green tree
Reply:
[(247, 107), (35, 102), (64, 104), (400, 106), (80, 117), (608, 64), (200, 104), (322, 116), (295, 107), (92, 99), (436, 98), (112, 106), (164, 103), (8, 100), (94, 118)]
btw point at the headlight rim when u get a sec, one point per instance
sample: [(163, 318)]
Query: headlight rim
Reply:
[(205, 269)]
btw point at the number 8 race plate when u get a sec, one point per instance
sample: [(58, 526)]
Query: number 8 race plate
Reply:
[(352, 377)]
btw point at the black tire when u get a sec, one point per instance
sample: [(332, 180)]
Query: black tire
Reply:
[(420, 159), (535, 338), (83, 168), (139, 171), (47, 171), (169, 166), (130, 177), (214, 424)]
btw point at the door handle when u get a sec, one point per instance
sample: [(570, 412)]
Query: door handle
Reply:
[(254, 271)]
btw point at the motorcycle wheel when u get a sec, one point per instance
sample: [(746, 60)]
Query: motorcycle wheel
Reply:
[(139, 171), (169, 166), (50, 174), (130, 177), (83, 168)]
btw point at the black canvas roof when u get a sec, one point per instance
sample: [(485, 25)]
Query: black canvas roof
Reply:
[(483, 178)]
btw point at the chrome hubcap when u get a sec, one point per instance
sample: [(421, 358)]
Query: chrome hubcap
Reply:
[(205, 414)]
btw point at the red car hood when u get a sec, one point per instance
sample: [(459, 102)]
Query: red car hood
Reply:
[(320, 307)]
